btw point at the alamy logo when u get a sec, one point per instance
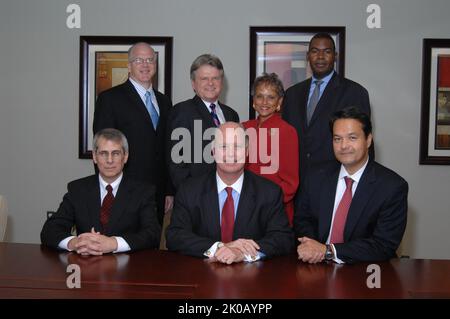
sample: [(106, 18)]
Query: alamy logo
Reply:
[(74, 279), (189, 148), (74, 18)]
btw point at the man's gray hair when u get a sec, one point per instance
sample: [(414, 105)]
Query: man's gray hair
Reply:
[(206, 59), (110, 134)]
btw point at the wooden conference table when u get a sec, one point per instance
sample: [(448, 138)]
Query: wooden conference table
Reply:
[(33, 271)]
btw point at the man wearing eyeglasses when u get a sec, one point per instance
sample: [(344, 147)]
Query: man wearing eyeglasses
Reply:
[(111, 212), (140, 111)]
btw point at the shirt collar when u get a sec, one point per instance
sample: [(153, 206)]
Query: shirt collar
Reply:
[(324, 79), (114, 184), (237, 185), (216, 102), (355, 177), (142, 90)]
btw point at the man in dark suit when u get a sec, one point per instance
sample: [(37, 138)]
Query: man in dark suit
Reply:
[(309, 105), (140, 112), (230, 215), (194, 117), (111, 211), (355, 211)]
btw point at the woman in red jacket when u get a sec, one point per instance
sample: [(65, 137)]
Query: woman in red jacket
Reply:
[(273, 146)]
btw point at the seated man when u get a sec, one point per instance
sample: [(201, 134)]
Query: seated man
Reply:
[(355, 211), (230, 215), (111, 213)]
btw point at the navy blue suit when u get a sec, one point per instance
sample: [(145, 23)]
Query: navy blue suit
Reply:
[(376, 219), (315, 141), (195, 223)]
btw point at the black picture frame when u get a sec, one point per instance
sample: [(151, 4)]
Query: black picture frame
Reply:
[(435, 104), (279, 39), (98, 51)]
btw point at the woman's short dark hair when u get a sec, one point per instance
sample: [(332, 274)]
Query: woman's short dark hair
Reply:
[(272, 80)]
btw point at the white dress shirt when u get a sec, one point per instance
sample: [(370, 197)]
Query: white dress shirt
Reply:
[(340, 189)]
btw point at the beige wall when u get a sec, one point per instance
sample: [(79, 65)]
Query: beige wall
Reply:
[(39, 88)]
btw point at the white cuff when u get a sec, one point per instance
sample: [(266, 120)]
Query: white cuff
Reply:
[(336, 259), (212, 250), (63, 243), (122, 245), (250, 259)]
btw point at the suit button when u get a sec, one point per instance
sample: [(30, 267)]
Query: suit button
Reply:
[(308, 155)]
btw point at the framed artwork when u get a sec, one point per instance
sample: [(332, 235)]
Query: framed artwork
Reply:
[(282, 50), (435, 114), (104, 64)]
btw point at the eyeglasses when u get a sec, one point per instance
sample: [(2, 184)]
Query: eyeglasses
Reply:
[(141, 60), (105, 154)]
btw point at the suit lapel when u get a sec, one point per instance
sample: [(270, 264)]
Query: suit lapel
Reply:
[(360, 198), (120, 203), (326, 99), (93, 202), (162, 114), (137, 101), (203, 112), (245, 207), (303, 100), (210, 210), (327, 197), (226, 113)]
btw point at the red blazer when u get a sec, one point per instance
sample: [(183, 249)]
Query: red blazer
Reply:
[(286, 176)]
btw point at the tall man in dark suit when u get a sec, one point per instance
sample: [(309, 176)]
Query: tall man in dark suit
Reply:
[(355, 211), (230, 215), (195, 116), (111, 211), (308, 105), (140, 112)]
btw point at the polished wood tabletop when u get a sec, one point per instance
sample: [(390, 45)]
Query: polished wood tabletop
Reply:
[(34, 271)]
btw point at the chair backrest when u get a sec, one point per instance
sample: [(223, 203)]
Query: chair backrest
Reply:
[(3, 217)]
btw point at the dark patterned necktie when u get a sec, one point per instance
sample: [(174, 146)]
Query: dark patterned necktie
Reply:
[(105, 210), (214, 114)]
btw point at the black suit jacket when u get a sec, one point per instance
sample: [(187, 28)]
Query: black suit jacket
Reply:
[(122, 108), (315, 140), (133, 214), (195, 224), (183, 115), (375, 222)]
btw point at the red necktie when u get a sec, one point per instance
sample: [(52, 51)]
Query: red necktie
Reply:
[(227, 225), (214, 114), (337, 233), (105, 210)]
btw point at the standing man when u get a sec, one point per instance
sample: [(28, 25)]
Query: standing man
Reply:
[(308, 105), (355, 212), (110, 211), (203, 110), (140, 112), (229, 215)]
